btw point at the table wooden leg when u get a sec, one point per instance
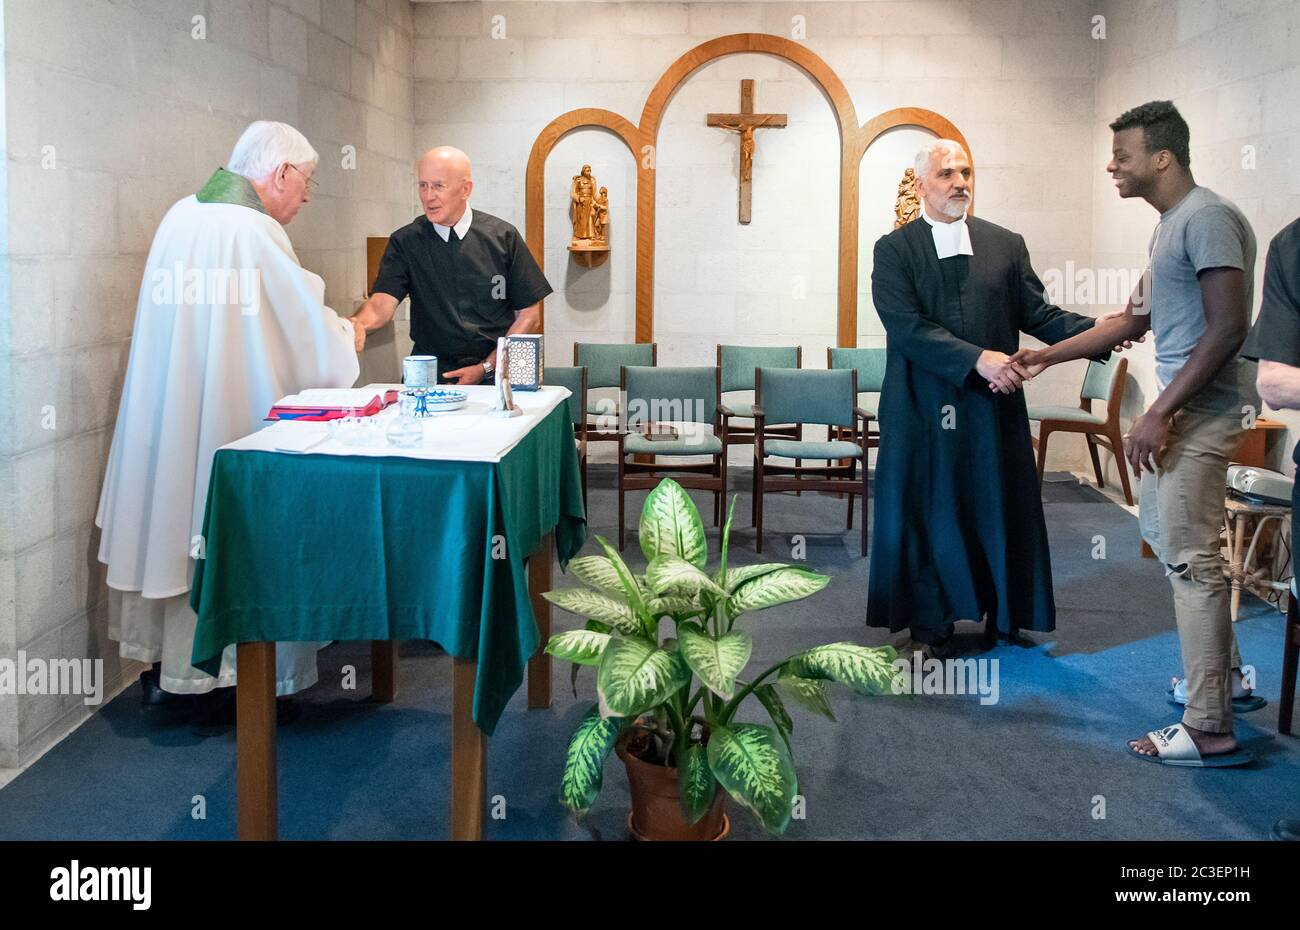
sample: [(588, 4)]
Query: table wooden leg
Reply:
[(539, 580), (256, 798), (383, 670), (1235, 541), (468, 756)]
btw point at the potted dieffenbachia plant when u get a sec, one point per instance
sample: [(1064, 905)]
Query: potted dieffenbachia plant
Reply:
[(668, 693)]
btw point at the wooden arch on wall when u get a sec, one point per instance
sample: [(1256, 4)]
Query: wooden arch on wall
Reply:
[(642, 139)]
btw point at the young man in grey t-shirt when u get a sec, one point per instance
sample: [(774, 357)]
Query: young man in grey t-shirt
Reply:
[(1196, 299)]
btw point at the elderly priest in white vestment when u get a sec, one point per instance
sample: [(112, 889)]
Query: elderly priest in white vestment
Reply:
[(227, 323)]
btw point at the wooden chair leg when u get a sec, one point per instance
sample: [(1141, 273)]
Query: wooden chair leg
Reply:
[(1043, 433), (866, 500), (1117, 447), (717, 495), (722, 480), (1096, 460), (622, 534), (852, 474), (1290, 660), (758, 504), (753, 494), (383, 670), (583, 465)]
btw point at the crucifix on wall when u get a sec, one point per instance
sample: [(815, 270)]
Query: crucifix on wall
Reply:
[(745, 122)]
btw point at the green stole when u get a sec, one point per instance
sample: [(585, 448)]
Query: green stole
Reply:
[(227, 187)]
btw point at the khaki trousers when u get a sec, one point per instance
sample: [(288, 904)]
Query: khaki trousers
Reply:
[(1181, 518)]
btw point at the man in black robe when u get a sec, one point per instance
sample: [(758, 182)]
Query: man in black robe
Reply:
[(959, 531)]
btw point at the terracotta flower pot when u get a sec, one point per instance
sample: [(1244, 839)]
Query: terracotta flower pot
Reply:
[(656, 802)]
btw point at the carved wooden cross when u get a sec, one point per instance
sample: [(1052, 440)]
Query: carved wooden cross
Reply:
[(744, 123)]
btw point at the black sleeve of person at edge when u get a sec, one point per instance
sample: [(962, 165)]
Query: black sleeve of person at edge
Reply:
[(1275, 337)]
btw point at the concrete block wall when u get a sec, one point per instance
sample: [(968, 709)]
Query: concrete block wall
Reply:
[(1232, 69), (115, 110), (1016, 76)]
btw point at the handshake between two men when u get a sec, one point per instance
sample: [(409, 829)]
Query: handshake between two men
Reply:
[(1007, 373), (1113, 331)]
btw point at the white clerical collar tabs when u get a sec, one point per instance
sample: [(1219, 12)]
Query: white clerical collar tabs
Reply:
[(461, 228), (949, 238)]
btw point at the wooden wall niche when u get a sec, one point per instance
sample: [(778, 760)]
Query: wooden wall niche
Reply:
[(641, 140)]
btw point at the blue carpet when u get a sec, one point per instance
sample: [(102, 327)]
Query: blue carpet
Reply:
[(1045, 762)]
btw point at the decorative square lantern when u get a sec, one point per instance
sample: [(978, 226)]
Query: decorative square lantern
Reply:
[(524, 367)]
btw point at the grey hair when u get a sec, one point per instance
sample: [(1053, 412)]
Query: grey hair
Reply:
[(265, 146), (922, 164)]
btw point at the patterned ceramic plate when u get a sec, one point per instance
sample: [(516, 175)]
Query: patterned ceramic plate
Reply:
[(443, 399)]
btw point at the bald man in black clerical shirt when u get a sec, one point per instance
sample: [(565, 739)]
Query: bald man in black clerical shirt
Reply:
[(470, 276)]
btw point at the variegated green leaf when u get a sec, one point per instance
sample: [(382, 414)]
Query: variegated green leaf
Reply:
[(769, 697), (777, 587), (670, 525), (716, 661), (583, 647), (807, 693), (865, 669), (594, 626), (597, 606), (596, 571), (669, 574), (584, 763), (738, 576), (695, 783), (753, 763), (676, 605), (721, 576), (632, 589), (635, 675)]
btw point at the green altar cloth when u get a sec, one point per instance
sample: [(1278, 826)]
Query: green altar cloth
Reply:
[(327, 547)]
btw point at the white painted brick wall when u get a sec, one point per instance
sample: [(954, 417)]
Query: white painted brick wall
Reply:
[(1231, 68), (139, 114), (1017, 77)]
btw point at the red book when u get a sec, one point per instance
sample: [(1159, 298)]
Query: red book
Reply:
[(330, 404)]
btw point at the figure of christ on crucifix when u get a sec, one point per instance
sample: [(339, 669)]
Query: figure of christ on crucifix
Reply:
[(744, 123)]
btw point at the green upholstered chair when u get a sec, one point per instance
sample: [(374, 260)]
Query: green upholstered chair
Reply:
[(870, 366), (687, 399), (1104, 381), (827, 398), (575, 379), (738, 364), (603, 361)]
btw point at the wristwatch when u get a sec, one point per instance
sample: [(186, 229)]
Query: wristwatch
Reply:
[(488, 367)]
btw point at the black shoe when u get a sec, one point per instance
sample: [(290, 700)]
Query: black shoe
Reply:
[(219, 712), (1288, 831), (214, 712), (155, 700), (936, 644), (946, 648), (992, 636)]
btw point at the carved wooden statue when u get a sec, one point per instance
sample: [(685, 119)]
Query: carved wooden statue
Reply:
[(600, 215), (908, 205), (589, 212), (582, 209)]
